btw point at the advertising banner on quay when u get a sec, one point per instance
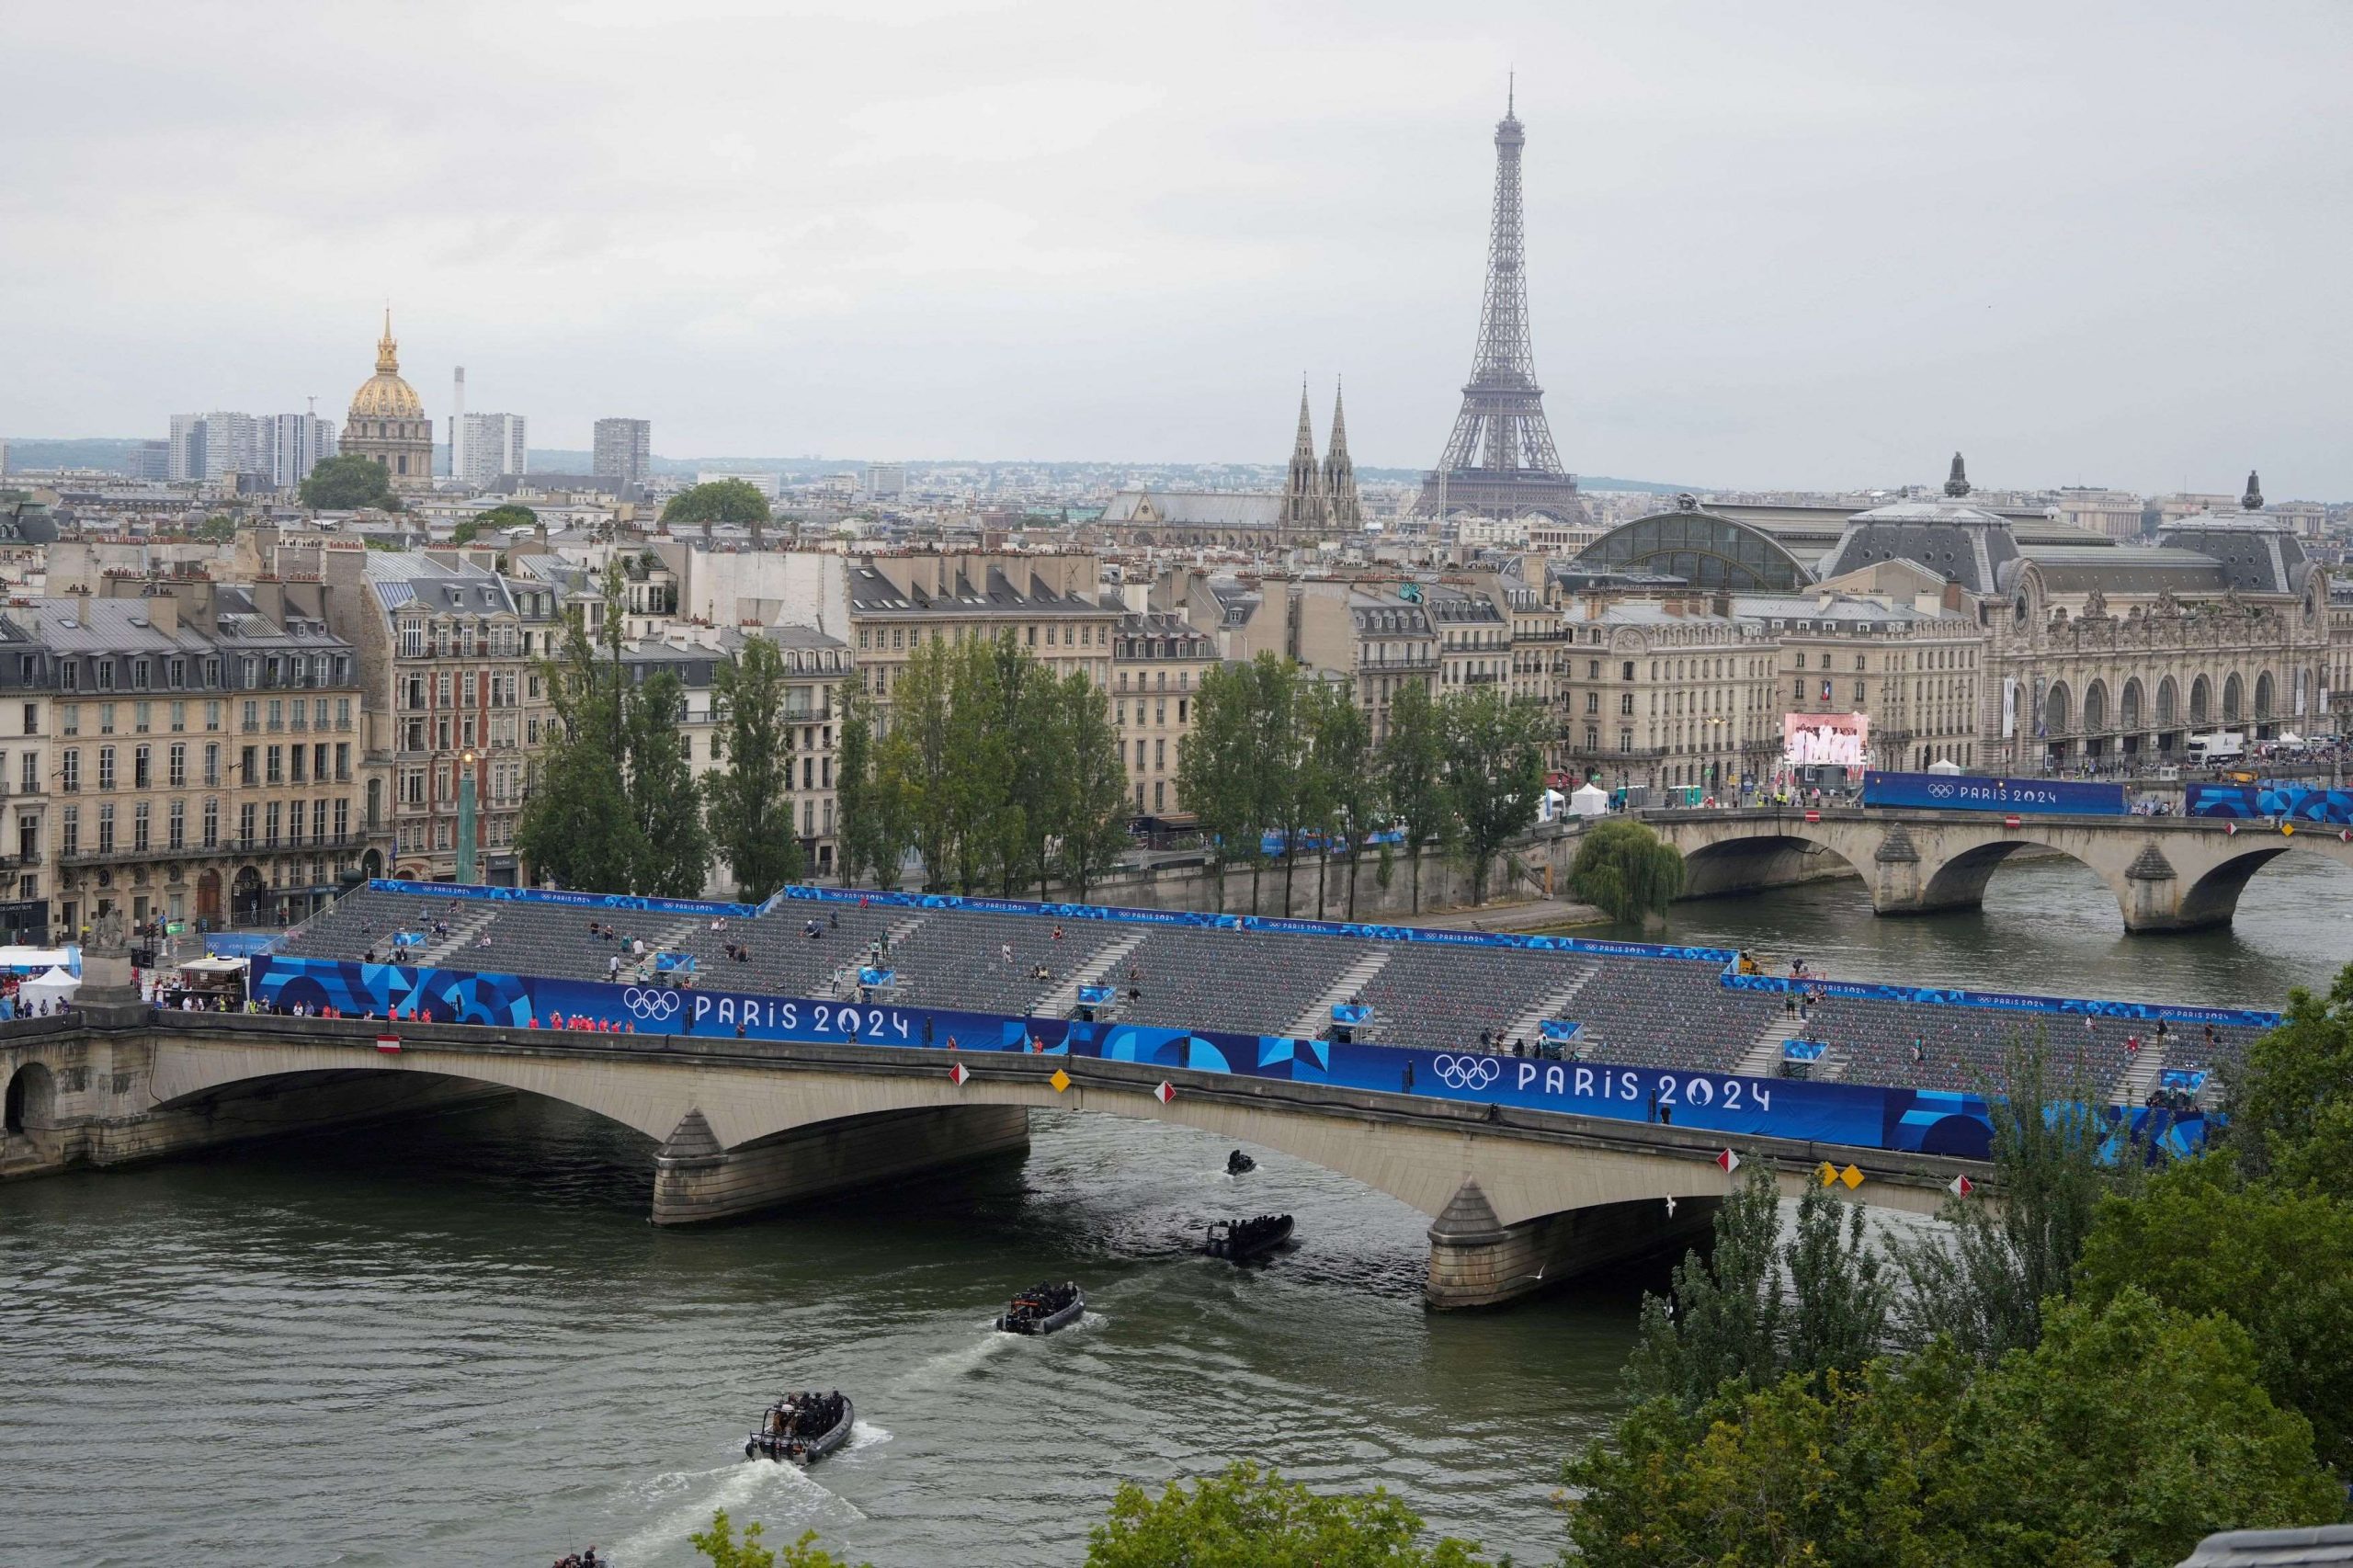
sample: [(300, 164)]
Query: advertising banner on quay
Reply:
[(1921, 1122), (2018, 797)]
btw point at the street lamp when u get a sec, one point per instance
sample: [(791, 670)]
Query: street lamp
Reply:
[(466, 760)]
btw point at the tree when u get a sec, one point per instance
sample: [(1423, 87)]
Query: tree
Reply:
[(2125, 1436), (1626, 871), (1979, 1280), (1093, 828), (2279, 1263), (856, 837), (577, 825), (508, 515), (673, 847), (2292, 1120), (1270, 759), (719, 1547), (1495, 770), (1412, 770), (217, 529), (348, 482), (1212, 768), (721, 501), (1247, 1518), (1751, 1312), (751, 795), (1351, 780)]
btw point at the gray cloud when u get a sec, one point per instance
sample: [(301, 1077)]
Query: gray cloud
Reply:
[(1814, 246)]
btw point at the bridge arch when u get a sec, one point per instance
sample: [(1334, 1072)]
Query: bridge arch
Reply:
[(31, 1100), (1740, 864), (1959, 882)]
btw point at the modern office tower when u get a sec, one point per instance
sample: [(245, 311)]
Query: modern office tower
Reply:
[(488, 447), (186, 448), (885, 482), (624, 451), (149, 461), (292, 444)]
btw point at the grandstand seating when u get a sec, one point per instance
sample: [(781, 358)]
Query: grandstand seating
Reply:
[(1636, 1011)]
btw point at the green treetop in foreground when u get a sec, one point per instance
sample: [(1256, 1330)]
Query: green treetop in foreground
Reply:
[(348, 482), (721, 501)]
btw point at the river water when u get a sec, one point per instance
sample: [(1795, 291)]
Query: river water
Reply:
[(458, 1341)]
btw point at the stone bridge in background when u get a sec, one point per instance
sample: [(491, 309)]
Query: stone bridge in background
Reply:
[(1515, 1198), (2168, 873)]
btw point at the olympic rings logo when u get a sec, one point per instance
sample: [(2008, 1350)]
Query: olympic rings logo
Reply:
[(1467, 1072), (650, 1005)]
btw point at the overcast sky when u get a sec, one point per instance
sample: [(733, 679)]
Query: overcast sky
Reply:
[(1812, 246)]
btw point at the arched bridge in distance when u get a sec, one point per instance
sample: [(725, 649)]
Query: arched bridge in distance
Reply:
[(2170, 873), (1515, 1198)]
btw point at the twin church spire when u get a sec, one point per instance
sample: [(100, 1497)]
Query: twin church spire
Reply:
[(1321, 496)]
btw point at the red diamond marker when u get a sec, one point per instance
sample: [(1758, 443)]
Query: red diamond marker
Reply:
[(1166, 1092), (1961, 1187), (1728, 1162), (957, 1075)]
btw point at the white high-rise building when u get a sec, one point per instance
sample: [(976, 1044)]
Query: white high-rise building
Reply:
[(292, 444), (489, 446), (624, 451), (232, 445), (768, 485), (885, 482), (187, 460)]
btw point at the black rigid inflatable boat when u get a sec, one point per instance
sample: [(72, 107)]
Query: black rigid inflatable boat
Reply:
[(1042, 1309), (801, 1428), (1247, 1241)]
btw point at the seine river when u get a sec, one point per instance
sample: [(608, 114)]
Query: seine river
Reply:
[(458, 1341)]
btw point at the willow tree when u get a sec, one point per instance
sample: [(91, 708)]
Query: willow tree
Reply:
[(1626, 871)]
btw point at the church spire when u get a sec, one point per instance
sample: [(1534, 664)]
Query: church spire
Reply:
[(388, 357), (1340, 473), (1303, 504)]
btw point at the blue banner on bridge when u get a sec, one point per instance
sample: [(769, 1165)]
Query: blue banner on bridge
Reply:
[(2283, 803), (1914, 1121), (2019, 797)]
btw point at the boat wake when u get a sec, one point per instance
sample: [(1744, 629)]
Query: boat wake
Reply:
[(864, 1434), (952, 1364), (781, 1496)]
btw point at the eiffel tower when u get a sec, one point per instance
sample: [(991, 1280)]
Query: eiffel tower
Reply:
[(1500, 460)]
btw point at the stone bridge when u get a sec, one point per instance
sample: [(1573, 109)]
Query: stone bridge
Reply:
[(2168, 873), (1516, 1198)]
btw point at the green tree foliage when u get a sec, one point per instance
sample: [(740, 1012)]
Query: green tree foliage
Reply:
[(1212, 769), (1494, 771), (721, 1548), (1347, 787), (721, 501), (1626, 871), (1413, 776), (2280, 1263), (859, 842), (2292, 1120), (665, 803), (1093, 801), (1247, 1518), (217, 529), (1750, 1312), (2123, 1437), (751, 793), (508, 515), (347, 483), (1981, 1279), (1270, 754)]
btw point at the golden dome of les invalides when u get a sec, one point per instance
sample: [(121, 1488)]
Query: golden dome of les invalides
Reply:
[(385, 395), (387, 421)]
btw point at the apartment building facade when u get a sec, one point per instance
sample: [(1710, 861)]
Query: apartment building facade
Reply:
[(1158, 661)]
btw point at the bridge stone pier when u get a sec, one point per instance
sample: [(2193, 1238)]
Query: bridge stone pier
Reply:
[(2168, 873), (1518, 1200)]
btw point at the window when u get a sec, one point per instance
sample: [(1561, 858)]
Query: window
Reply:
[(32, 717), (211, 764), (179, 718), (106, 718), (270, 827), (176, 826), (1625, 704), (106, 768), (1626, 670), (141, 777), (245, 826), (212, 715), (105, 828), (69, 834), (139, 816), (212, 822)]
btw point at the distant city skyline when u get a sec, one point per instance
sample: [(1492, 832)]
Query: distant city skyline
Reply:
[(1819, 254)]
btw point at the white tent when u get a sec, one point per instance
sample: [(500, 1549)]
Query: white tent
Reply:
[(55, 986), (1944, 765), (1588, 799)]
